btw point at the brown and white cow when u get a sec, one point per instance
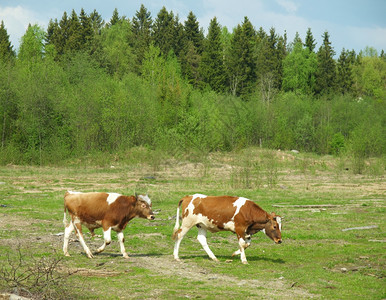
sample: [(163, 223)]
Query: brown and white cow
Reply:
[(217, 213), (111, 211)]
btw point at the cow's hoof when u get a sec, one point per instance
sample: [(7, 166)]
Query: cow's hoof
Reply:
[(67, 254), (245, 262), (126, 256)]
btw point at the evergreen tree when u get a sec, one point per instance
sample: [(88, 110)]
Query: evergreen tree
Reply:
[(241, 63), (60, 36), (310, 41), (96, 22), (212, 67), (74, 33), (344, 72), (142, 26), (6, 49), (326, 72), (179, 40), (87, 31), (271, 51), (164, 31), (193, 32), (190, 64), (114, 18)]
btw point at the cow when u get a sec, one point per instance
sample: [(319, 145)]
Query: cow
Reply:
[(111, 211), (224, 213)]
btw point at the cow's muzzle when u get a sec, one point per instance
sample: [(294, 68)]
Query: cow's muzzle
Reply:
[(151, 217), (278, 241)]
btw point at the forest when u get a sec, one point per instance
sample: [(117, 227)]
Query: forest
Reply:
[(85, 86)]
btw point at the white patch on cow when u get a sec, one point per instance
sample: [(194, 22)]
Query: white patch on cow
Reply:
[(190, 206), (278, 219), (238, 204), (198, 196), (112, 197), (230, 225), (145, 198), (74, 193), (107, 235)]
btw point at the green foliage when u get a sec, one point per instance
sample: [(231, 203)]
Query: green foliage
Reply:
[(32, 44), (241, 61), (326, 72), (85, 87), (212, 65), (6, 49), (299, 69)]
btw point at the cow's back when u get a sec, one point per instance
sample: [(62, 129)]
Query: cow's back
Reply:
[(89, 207), (212, 211)]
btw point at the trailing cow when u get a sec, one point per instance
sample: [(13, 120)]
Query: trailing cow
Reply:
[(111, 211)]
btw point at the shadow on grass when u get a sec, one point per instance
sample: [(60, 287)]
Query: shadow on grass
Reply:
[(223, 258), (107, 254)]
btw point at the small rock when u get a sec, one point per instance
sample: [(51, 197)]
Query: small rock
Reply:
[(344, 270)]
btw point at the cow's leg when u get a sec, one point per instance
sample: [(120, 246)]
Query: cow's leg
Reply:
[(242, 244), (106, 238), (201, 237), (248, 243), (121, 241), (78, 229), (67, 232), (180, 235)]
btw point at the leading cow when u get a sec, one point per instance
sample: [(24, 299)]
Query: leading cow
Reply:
[(217, 213), (106, 210)]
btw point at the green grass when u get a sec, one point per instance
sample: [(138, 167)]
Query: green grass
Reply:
[(316, 259)]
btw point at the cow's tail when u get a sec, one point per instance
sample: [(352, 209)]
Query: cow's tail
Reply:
[(177, 226), (65, 223)]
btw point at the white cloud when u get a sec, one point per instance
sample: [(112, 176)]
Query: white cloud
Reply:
[(289, 6), (16, 20), (372, 37)]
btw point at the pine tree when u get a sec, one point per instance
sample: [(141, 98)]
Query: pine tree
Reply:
[(142, 26), (179, 41), (212, 67), (164, 31), (326, 72), (241, 62), (114, 18), (60, 34), (344, 72), (87, 32), (74, 40), (310, 41), (193, 32), (6, 51), (96, 22)]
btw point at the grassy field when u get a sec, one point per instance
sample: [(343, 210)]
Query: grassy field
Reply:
[(319, 197)]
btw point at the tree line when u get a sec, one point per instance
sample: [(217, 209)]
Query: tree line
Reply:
[(84, 85)]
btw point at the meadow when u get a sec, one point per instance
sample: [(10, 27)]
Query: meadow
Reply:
[(333, 228)]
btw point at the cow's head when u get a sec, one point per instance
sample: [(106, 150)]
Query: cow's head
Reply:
[(143, 207), (273, 228)]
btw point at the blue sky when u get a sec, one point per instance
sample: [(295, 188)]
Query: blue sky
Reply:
[(352, 24)]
